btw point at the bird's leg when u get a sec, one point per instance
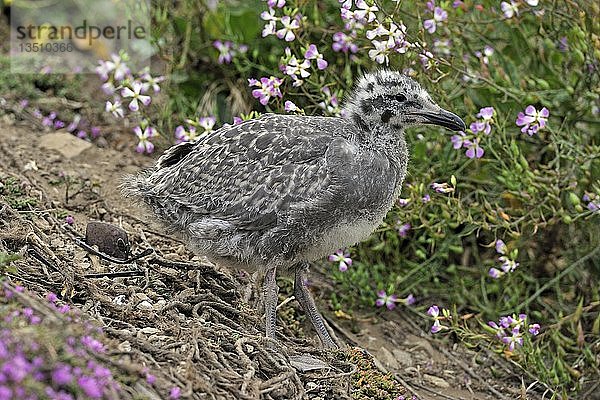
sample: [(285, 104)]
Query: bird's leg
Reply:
[(270, 291), (308, 305)]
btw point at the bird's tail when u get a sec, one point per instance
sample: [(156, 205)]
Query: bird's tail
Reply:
[(136, 185), (140, 186)]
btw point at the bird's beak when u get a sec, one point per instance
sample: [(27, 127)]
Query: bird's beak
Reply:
[(444, 118)]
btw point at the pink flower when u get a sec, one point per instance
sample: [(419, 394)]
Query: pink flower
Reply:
[(295, 68), (343, 258), (403, 202), (495, 273), (532, 120), (403, 229), (509, 9), (92, 344), (114, 108), (434, 311), (276, 3), (312, 53), (485, 54), (473, 149), (61, 375), (90, 386), (181, 135), (289, 25), (225, 51), (64, 309), (151, 81), (207, 123), (267, 88), (501, 247), (290, 106), (144, 145), (48, 121), (439, 16), (175, 393), (427, 60), (486, 113), (343, 43), (384, 299), (134, 93), (534, 329), (458, 140), (269, 29), (365, 11)]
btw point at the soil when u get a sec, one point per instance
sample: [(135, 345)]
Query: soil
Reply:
[(189, 321)]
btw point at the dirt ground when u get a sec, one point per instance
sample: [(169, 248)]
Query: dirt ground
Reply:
[(187, 319)]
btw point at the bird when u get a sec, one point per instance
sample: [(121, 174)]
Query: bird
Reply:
[(281, 191)]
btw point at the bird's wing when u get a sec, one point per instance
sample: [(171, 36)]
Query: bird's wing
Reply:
[(250, 173)]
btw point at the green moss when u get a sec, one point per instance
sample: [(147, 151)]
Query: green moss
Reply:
[(14, 195), (368, 382), (32, 86)]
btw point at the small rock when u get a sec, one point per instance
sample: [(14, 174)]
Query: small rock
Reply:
[(159, 305), (124, 346), (187, 293), (436, 381), (306, 362), (403, 357), (388, 359), (149, 330), (145, 305), (140, 296), (30, 166), (379, 365), (172, 272), (65, 143), (57, 243)]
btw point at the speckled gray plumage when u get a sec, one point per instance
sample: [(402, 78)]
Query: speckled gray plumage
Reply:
[(267, 189), (283, 190)]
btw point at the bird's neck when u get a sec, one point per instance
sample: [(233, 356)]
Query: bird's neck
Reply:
[(383, 138), (376, 134)]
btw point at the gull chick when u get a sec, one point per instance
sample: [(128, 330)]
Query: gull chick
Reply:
[(278, 192)]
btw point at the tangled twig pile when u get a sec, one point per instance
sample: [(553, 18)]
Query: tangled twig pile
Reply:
[(182, 322), (186, 325)]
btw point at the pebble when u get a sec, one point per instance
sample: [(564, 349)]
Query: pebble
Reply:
[(436, 381), (149, 330), (159, 305), (66, 144), (388, 359), (124, 346), (145, 305), (403, 357)]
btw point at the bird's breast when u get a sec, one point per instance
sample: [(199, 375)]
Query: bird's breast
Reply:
[(342, 235), (368, 184)]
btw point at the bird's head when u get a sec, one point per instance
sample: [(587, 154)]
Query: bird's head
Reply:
[(390, 98)]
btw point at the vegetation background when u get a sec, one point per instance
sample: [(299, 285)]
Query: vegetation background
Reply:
[(535, 192)]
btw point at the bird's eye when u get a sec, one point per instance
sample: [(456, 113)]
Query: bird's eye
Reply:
[(400, 98)]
